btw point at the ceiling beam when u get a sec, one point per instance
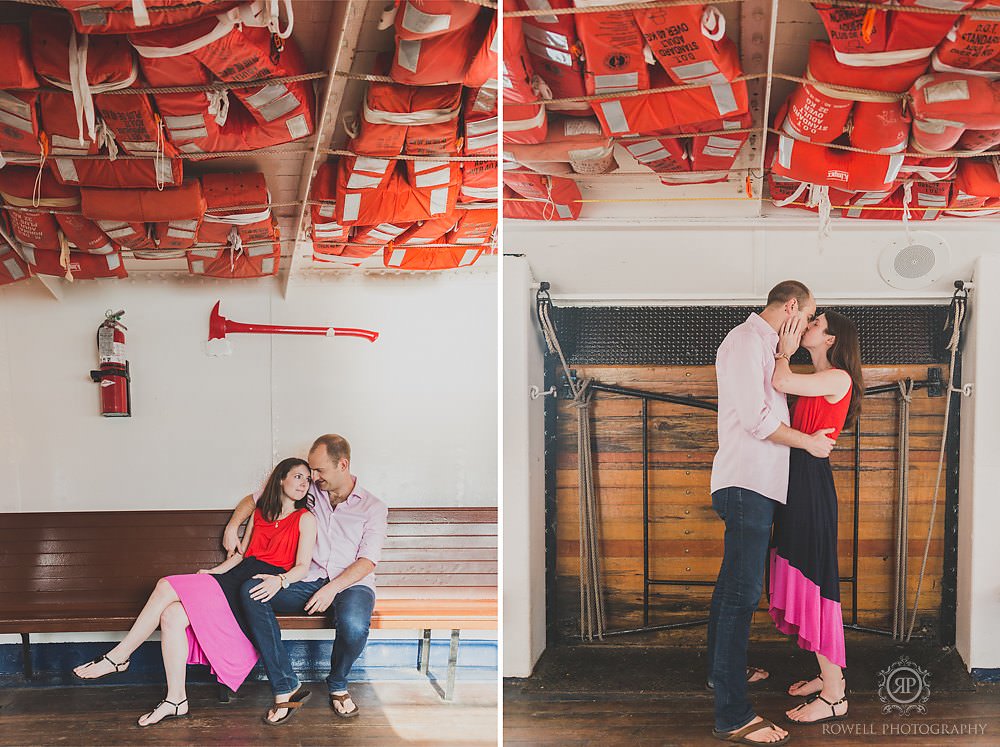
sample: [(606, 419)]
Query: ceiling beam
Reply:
[(346, 21)]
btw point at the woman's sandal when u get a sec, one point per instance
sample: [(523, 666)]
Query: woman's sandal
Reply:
[(740, 736), (119, 668), (296, 701), (176, 714), (833, 710), (806, 682)]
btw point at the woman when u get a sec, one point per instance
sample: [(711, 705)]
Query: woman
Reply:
[(805, 579), (200, 616)]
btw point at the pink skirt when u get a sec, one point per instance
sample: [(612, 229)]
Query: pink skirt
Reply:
[(214, 636)]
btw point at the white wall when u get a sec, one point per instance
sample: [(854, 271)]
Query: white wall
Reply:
[(738, 261), (979, 510), (418, 405), (523, 476)]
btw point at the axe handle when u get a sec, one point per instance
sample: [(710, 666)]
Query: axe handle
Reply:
[(281, 329)]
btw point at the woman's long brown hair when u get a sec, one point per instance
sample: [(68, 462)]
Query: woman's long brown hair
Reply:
[(845, 353), (269, 502)]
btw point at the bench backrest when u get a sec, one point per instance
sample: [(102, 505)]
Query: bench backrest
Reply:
[(106, 562)]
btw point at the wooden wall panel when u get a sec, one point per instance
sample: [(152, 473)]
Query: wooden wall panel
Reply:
[(686, 535)]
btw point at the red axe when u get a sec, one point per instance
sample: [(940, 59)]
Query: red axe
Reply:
[(219, 326)]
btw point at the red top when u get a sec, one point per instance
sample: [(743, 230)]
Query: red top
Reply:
[(275, 542), (815, 413)]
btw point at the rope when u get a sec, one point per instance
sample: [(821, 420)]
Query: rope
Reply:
[(592, 616), (969, 13), (607, 8), (902, 510), (959, 303), (632, 94), (831, 89), (273, 151), (458, 159)]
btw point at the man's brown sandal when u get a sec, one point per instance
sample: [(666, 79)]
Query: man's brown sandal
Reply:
[(751, 673), (740, 736), (296, 701), (343, 699), (833, 711)]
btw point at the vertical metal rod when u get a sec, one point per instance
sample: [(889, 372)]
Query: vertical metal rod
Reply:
[(857, 509), (645, 512), (424, 657), (449, 692), (26, 655)]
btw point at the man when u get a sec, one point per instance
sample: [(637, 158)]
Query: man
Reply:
[(351, 527), (749, 478)]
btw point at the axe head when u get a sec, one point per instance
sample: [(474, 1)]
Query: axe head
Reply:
[(216, 324)]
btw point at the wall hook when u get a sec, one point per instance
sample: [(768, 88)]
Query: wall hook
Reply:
[(535, 392)]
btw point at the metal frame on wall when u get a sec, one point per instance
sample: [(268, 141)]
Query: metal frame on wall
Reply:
[(699, 349)]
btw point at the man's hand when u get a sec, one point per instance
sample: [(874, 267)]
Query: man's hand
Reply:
[(321, 600), (267, 588), (230, 541), (820, 444)]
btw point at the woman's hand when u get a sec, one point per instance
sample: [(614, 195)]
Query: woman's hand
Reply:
[(789, 336), (207, 570), (267, 588)]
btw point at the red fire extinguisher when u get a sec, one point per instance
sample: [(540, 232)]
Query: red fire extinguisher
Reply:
[(113, 375)]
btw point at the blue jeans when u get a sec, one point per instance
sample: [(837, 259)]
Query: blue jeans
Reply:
[(350, 613), (748, 516)]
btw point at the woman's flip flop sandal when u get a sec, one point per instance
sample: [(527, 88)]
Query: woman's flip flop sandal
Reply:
[(740, 736), (296, 701)]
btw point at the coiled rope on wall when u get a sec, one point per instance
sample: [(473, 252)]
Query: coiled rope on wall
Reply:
[(592, 615)]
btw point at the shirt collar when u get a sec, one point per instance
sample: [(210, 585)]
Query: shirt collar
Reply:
[(760, 326)]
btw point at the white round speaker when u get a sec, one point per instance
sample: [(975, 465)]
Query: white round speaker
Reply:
[(914, 263)]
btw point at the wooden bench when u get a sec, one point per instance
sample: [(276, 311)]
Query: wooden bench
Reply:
[(92, 571)]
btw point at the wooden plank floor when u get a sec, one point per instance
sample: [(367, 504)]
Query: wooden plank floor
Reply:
[(392, 713), (607, 694)]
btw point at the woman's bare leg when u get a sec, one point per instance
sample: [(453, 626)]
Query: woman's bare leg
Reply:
[(147, 622), (174, 646)]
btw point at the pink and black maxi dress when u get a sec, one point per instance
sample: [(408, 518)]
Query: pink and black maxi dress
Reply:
[(805, 578), (218, 634)]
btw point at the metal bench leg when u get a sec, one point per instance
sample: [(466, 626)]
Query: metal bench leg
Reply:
[(26, 655), (424, 655), (449, 692)]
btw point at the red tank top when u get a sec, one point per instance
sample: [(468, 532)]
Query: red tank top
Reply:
[(815, 413), (275, 542)]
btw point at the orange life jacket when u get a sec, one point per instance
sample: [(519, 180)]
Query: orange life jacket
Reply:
[(99, 16), (234, 47), (80, 266), (430, 258), (12, 267), (829, 167), (423, 19), (541, 197), (444, 58), (945, 105), (473, 227)]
